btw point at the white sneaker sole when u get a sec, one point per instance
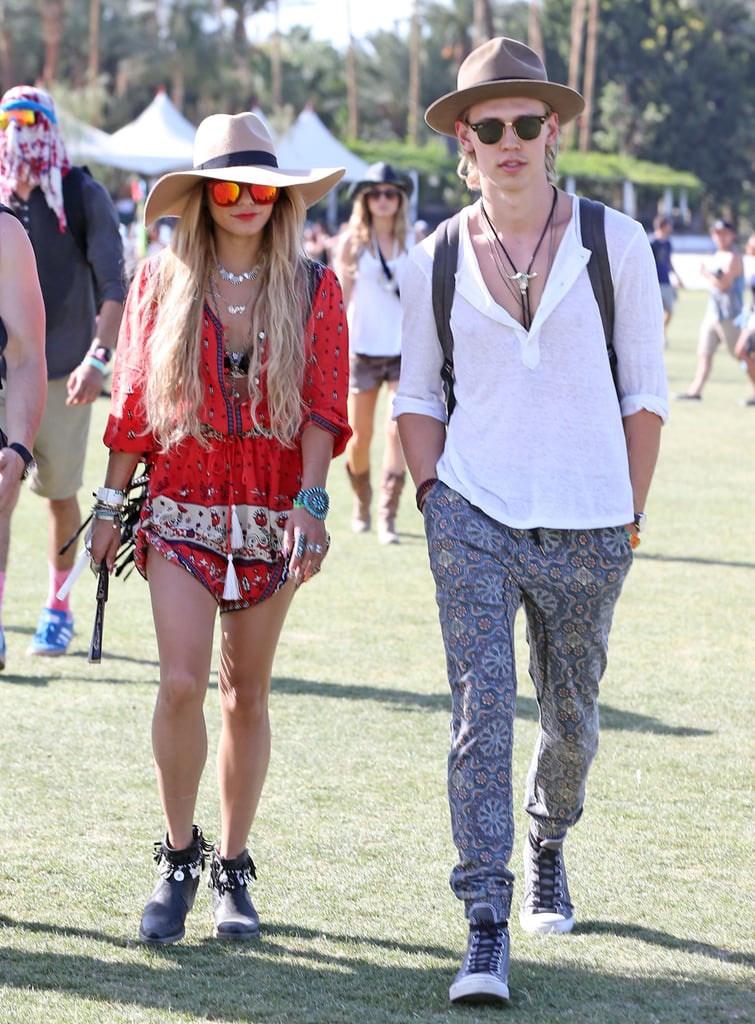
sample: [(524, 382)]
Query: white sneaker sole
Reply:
[(546, 924), (479, 988)]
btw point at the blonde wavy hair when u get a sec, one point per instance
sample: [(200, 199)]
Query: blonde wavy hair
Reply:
[(359, 225), (173, 303), (469, 172)]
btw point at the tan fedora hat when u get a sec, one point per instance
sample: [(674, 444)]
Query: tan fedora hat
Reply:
[(235, 147), (500, 68)]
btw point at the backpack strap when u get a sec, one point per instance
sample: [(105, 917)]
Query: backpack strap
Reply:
[(445, 258), (592, 226)]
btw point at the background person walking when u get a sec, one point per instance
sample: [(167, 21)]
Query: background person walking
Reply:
[(369, 262), (22, 349), (74, 231), (724, 274)]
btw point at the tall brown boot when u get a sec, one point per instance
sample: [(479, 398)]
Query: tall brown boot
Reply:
[(360, 516), (391, 487)]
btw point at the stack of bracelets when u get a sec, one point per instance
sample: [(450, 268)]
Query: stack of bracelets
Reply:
[(108, 505), (314, 500)]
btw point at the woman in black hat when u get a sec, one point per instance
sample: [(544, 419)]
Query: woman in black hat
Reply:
[(369, 262)]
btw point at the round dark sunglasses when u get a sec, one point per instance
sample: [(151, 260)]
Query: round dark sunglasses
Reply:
[(526, 128)]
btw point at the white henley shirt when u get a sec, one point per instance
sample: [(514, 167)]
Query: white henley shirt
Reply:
[(536, 438)]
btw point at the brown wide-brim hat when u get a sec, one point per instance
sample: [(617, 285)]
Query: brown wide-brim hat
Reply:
[(496, 70), (235, 147)]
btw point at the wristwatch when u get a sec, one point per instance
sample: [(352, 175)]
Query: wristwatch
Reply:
[(101, 352), (26, 455)]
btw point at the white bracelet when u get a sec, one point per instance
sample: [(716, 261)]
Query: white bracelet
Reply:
[(111, 496)]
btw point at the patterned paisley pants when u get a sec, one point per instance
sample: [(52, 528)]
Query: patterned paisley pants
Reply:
[(568, 582)]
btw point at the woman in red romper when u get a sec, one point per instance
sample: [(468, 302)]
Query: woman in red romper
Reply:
[(230, 383)]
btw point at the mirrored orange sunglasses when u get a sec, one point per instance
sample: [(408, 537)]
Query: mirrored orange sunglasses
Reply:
[(21, 115), (228, 193)]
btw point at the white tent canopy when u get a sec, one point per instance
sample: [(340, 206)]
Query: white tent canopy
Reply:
[(84, 143), (160, 139), (308, 143)]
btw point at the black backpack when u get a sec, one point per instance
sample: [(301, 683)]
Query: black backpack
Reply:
[(592, 223)]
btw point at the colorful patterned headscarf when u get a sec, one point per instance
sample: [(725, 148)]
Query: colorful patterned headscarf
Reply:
[(33, 153)]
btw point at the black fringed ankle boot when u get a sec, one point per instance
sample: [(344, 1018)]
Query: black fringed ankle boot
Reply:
[(235, 916), (173, 897)]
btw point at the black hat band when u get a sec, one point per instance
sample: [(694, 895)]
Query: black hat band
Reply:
[(244, 157)]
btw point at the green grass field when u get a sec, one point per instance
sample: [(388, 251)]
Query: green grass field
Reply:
[(352, 841)]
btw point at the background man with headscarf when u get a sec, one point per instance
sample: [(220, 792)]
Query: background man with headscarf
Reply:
[(73, 227)]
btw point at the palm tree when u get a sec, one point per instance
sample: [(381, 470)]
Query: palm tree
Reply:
[(585, 128)]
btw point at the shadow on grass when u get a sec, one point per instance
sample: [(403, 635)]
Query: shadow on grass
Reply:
[(302, 975), (526, 707), (663, 940), (692, 560)]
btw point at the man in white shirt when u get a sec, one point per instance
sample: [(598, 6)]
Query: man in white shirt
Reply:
[(533, 491)]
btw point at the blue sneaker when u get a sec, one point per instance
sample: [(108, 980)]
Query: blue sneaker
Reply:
[(484, 974), (2, 648), (54, 632)]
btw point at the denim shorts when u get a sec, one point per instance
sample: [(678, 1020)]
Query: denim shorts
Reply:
[(367, 373)]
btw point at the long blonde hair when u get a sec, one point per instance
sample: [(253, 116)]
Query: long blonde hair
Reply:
[(174, 303), (359, 226)]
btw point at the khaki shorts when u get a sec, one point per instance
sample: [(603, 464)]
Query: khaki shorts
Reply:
[(714, 333), (668, 297), (61, 445), (367, 373)]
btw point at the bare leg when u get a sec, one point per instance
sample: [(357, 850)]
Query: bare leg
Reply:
[(249, 640), (184, 613), (64, 519), (4, 540), (393, 459), (361, 421), (704, 366)]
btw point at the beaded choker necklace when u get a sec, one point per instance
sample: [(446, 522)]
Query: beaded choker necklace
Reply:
[(521, 277)]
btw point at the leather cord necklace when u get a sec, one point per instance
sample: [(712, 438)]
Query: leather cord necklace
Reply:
[(522, 277)]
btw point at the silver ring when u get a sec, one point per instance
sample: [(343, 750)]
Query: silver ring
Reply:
[(317, 548)]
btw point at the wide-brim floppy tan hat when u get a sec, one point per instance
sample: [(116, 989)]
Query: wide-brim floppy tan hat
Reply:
[(496, 70), (235, 147)]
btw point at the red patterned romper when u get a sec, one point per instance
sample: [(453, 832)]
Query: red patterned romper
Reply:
[(194, 490)]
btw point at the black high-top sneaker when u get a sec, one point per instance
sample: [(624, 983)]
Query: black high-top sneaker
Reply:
[(233, 910), (173, 897)]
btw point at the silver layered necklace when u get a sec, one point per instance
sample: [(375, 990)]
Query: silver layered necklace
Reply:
[(245, 275), (234, 308)]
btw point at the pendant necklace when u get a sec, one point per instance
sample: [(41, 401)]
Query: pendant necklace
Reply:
[(389, 280), (235, 364), (231, 278), (521, 277), (233, 308)]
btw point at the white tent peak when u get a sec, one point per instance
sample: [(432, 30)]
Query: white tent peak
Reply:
[(160, 139), (308, 143)]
